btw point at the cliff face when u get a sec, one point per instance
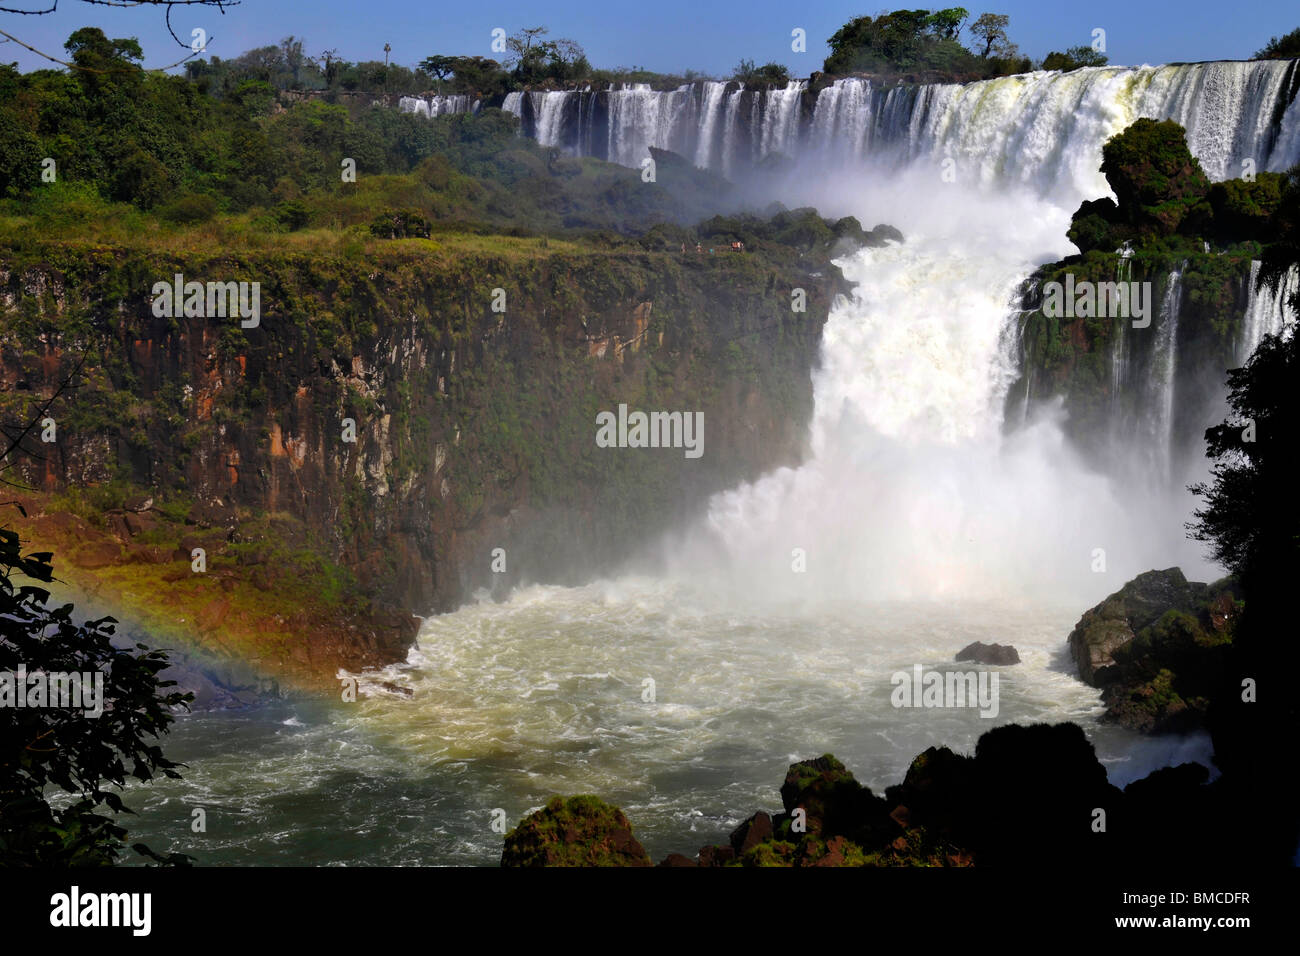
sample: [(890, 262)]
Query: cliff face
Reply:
[(1135, 392), (474, 428), (1137, 332)]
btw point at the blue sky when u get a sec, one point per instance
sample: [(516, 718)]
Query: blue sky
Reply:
[(666, 35)]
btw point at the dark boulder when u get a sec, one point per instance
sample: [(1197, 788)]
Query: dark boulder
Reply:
[(1036, 794), (579, 831), (982, 653), (716, 855), (1156, 647), (751, 833), (834, 802)]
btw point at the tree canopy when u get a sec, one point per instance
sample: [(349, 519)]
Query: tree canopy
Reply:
[(914, 41), (1285, 47)]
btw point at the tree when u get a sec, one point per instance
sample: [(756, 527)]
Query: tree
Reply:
[(946, 24), (527, 49), (439, 67), (1251, 520), (330, 66), (1283, 253), (533, 59), (103, 64), (769, 74), (291, 51), (1074, 58), (1250, 517), (992, 29), (477, 74), (568, 61), (1286, 47), (166, 5)]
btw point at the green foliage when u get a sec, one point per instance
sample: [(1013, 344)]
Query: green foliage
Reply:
[(1074, 58), (67, 748), (925, 42), (769, 74), (534, 59), (992, 29), (898, 42), (292, 214), (1283, 253), (578, 831), (467, 74), (1157, 181), (1249, 517), (1285, 47), (400, 225), (188, 209), (1244, 209)]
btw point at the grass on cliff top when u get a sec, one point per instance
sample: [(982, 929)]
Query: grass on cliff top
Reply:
[(137, 231)]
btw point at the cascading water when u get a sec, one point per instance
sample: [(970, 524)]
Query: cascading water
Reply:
[(1266, 312), (781, 119), (434, 106), (1011, 129), (710, 120), (918, 523), (731, 134), (1158, 420)]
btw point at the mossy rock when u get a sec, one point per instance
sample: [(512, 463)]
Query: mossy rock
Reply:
[(578, 831), (1157, 180)]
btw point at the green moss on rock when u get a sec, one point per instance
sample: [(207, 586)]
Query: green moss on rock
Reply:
[(577, 831)]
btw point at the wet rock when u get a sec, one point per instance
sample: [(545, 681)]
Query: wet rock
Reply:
[(716, 855), (982, 653), (751, 833), (935, 793), (579, 831), (1034, 795), (1157, 647), (1113, 623)]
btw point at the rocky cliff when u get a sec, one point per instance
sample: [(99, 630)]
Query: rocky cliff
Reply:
[(470, 372)]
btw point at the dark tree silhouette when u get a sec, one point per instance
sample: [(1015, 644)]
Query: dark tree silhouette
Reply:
[(1251, 520)]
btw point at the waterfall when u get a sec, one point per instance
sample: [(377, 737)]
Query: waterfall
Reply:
[(780, 119), (710, 108), (433, 106), (1266, 312), (1032, 129), (731, 132), (1118, 355), (1159, 417), (549, 108), (914, 487)]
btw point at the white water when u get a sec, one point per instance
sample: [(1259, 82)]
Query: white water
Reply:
[(1158, 440), (439, 105), (921, 524), (1036, 128), (711, 120), (1266, 312)]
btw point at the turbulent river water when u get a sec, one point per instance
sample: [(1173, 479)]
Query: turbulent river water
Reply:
[(918, 524)]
